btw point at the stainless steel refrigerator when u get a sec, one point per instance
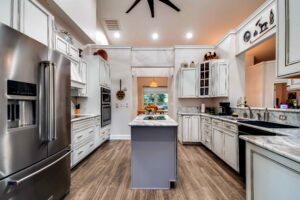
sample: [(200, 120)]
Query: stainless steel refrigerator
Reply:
[(34, 119)]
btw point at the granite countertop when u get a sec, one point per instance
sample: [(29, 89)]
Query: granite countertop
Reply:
[(139, 121), (76, 118), (286, 146)]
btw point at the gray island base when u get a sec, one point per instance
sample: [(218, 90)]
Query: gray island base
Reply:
[(153, 153)]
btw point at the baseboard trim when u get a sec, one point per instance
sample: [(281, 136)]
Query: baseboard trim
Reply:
[(120, 137)]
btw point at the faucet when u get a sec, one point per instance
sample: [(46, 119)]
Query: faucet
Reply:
[(251, 116)]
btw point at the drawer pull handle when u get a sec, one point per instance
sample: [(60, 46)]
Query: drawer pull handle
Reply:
[(79, 137), (80, 152), (91, 145), (91, 131)]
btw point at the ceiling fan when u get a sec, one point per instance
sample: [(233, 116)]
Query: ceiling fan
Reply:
[(151, 5)]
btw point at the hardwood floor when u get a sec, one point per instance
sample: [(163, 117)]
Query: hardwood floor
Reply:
[(105, 175)]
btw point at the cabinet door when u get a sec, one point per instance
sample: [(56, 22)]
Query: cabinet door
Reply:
[(83, 75), (231, 149), (108, 75), (186, 128), (61, 45), (102, 73), (188, 83), (36, 22), (222, 87), (288, 41), (214, 81), (74, 53), (6, 12), (195, 129), (218, 142)]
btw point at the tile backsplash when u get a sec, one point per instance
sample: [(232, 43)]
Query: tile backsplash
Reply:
[(290, 117)]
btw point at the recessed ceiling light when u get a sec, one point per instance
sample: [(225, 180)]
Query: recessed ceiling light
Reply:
[(189, 35), (155, 36), (117, 35)]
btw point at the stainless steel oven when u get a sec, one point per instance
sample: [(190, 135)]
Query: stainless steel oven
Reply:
[(105, 107)]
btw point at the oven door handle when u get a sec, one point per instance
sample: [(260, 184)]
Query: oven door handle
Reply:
[(17, 183)]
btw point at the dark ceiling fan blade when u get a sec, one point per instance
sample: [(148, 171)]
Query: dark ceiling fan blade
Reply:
[(133, 5), (169, 3), (151, 5)]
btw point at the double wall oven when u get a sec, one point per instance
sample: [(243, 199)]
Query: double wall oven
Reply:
[(105, 106)]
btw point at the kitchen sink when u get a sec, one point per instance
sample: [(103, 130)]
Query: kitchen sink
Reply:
[(265, 124), (155, 118)]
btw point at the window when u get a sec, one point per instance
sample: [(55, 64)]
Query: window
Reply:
[(156, 96)]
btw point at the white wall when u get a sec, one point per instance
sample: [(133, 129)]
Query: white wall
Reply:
[(120, 63), (226, 49), (82, 12)]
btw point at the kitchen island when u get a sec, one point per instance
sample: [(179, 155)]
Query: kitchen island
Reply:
[(153, 152)]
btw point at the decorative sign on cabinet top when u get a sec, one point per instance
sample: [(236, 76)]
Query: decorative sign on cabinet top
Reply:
[(257, 29)]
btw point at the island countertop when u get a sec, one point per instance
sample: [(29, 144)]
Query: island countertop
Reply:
[(139, 121)]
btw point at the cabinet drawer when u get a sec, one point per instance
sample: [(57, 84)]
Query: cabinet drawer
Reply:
[(61, 45), (207, 138), (80, 136), (230, 127), (79, 154), (217, 123), (206, 120), (83, 124), (206, 127)]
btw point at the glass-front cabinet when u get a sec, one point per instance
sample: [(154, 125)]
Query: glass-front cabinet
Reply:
[(204, 70)]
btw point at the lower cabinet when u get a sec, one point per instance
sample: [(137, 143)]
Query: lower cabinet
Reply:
[(218, 142), (87, 135), (225, 144), (190, 129), (270, 175)]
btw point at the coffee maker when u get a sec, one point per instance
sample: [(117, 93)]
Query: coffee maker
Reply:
[(224, 108)]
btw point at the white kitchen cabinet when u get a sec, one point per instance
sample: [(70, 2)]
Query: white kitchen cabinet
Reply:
[(61, 45), (36, 22), (231, 149), (225, 142), (188, 83), (105, 74), (190, 129), (270, 175), (288, 40), (83, 67), (293, 84), (86, 136), (213, 79), (8, 13), (218, 142)]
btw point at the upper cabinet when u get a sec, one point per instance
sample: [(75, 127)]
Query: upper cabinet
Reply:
[(8, 12), (36, 22), (188, 83), (105, 74), (209, 79), (288, 40), (30, 18)]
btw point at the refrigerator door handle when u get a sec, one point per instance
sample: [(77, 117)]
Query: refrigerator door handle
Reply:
[(47, 102), (20, 181)]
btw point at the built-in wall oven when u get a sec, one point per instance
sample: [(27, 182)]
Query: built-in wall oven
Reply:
[(105, 106)]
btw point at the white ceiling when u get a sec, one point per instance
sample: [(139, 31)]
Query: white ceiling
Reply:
[(209, 20)]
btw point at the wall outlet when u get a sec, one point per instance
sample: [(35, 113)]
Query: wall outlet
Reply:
[(283, 117)]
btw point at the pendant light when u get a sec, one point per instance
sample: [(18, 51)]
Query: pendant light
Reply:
[(153, 83)]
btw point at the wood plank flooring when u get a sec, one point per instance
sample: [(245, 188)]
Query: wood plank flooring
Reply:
[(105, 175)]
